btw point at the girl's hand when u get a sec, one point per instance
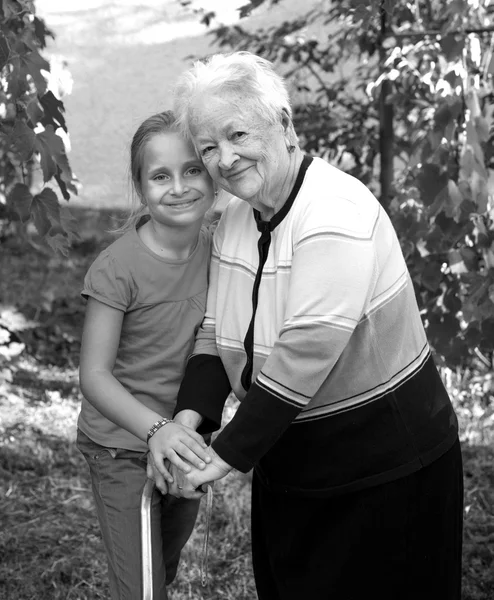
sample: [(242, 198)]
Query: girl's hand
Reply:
[(156, 476), (178, 444)]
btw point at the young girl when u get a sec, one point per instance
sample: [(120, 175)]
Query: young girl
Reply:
[(146, 295)]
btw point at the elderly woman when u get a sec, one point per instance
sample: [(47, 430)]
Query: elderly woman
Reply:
[(312, 321)]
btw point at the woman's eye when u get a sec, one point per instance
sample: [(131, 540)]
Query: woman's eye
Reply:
[(207, 150), (239, 134)]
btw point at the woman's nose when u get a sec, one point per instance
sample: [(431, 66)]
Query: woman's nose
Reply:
[(228, 157)]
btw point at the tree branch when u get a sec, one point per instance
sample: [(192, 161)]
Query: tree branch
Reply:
[(433, 32)]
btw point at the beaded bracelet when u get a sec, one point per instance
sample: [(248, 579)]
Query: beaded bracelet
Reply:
[(158, 425)]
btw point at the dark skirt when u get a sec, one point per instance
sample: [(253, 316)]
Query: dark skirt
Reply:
[(397, 541)]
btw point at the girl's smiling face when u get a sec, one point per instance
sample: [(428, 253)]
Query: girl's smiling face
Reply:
[(174, 183), (244, 154)]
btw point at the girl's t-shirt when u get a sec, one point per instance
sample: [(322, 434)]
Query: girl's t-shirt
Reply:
[(164, 302)]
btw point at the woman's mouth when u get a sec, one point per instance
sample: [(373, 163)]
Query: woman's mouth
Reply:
[(236, 174)]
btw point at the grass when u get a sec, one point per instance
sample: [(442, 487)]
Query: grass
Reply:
[(50, 547)]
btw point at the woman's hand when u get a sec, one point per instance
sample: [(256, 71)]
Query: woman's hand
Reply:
[(178, 444), (196, 478), (181, 486), (156, 476)]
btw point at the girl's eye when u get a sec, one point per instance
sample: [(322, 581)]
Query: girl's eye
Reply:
[(194, 171), (160, 177)]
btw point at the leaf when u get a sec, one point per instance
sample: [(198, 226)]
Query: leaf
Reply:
[(40, 217), (20, 199), (456, 264), (52, 152), (470, 258), (62, 186), (246, 9), (33, 62), (53, 108), (452, 46), (490, 67), (34, 111), (41, 31), (49, 201), (432, 275), (9, 9), (59, 243), (453, 201), (431, 180), (22, 140), (4, 50), (482, 127), (447, 112)]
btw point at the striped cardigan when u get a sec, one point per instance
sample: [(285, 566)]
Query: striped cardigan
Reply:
[(312, 320)]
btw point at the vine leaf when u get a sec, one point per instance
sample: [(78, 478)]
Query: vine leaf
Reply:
[(4, 50), (22, 140), (20, 200), (431, 180), (53, 108), (52, 154), (45, 211), (34, 64), (452, 45)]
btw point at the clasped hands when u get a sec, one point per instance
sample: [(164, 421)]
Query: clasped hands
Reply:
[(181, 463)]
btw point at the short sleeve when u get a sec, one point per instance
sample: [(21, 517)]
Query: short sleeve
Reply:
[(108, 282)]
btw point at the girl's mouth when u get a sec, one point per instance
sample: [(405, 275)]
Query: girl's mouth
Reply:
[(182, 205)]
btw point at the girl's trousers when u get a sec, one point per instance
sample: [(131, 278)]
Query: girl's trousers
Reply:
[(118, 477)]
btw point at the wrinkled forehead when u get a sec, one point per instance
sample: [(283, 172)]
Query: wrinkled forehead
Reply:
[(212, 111)]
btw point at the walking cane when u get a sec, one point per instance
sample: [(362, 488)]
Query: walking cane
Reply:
[(146, 547)]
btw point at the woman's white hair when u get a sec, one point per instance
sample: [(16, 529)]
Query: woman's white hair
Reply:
[(247, 76)]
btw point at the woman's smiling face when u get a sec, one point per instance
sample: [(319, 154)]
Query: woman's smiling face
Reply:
[(243, 153)]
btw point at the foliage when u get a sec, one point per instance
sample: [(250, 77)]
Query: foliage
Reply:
[(406, 87), (33, 131), (50, 547)]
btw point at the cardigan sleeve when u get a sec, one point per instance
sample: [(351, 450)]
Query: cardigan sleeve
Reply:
[(205, 385), (333, 273)]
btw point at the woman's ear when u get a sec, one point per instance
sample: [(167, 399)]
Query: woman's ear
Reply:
[(286, 121), (288, 131)]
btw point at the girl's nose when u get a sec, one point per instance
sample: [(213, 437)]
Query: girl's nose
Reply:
[(179, 186)]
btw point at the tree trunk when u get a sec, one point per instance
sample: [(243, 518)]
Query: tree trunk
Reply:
[(386, 133)]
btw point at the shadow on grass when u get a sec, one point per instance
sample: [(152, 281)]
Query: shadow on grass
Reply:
[(50, 546), (478, 538), (49, 540)]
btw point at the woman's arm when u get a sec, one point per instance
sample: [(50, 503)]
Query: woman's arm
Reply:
[(205, 386), (100, 340)]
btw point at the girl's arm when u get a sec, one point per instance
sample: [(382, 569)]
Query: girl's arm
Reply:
[(100, 340)]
